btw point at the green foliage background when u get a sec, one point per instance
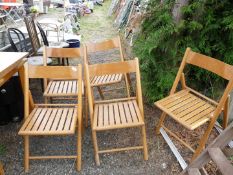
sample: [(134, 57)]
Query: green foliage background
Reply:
[(206, 27)]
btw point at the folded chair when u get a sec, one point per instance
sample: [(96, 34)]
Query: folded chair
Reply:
[(51, 119), (192, 109), (62, 88), (98, 81), (118, 113)]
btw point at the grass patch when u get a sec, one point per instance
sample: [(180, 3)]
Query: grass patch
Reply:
[(2, 149)]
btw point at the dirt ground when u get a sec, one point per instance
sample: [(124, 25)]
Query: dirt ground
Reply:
[(94, 27)]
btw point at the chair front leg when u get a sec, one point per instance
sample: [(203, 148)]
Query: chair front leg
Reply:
[(79, 149), (161, 120), (145, 150), (226, 112), (96, 149), (26, 153), (203, 140)]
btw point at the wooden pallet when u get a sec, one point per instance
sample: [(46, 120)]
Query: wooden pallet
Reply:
[(214, 152)]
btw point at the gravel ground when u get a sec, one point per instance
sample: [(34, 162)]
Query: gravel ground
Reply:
[(161, 160)]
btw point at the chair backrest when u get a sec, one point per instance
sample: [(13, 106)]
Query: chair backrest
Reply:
[(210, 64), (53, 72), (31, 28), (124, 67), (43, 35), (103, 46), (61, 53), (17, 40)]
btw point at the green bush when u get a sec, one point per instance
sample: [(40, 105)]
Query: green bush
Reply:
[(206, 27)]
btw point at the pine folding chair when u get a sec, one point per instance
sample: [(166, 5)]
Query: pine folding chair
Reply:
[(190, 108), (103, 80), (51, 119), (61, 88), (118, 113)]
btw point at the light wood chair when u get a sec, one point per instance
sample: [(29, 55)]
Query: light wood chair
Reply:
[(118, 113), (103, 80), (51, 119), (192, 109), (60, 88)]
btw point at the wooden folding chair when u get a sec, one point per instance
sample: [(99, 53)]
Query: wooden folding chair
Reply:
[(52, 119), (118, 113), (98, 81), (192, 109)]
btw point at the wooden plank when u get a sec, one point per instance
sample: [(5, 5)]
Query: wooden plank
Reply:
[(122, 113), (177, 101), (60, 90), (100, 115), (28, 120), (69, 117), (137, 111), (183, 103), (33, 120), (39, 119), (65, 87), (50, 87), (69, 87), (133, 112), (74, 87), (116, 114), (57, 84), (194, 171), (112, 77), (111, 114), (56, 120), (62, 122), (220, 159), (105, 116), (167, 99), (127, 112), (96, 116), (186, 106), (51, 120), (45, 120)]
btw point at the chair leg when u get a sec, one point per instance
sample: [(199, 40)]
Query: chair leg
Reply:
[(86, 110), (94, 137), (145, 150), (203, 140), (127, 85), (79, 149), (225, 113), (100, 92), (26, 153), (161, 120)]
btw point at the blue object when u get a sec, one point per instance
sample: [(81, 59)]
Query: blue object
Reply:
[(73, 43)]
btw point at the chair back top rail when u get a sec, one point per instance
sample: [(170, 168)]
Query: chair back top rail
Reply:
[(63, 52), (54, 72), (213, 65), (104, 45), (112, 68)]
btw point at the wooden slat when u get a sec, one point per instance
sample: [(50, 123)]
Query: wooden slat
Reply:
[(70, 114), (62, 122), (28, 120), (74, 87), (178, 101), (100, 115), (111, 115), (137, 111), (36, 123), (186, 106), (194, 171), (122, 113), (51, 119), (56, 87), (116, 114), (69, 87), (106, 120), (133, 112), (45, 120), (173, 97), (65, 87), (127, 112), (60, 90), (50, 87), (183, 103), (220, 159), (56, 120)]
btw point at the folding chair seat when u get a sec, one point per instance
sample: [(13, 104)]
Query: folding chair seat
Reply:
[(52, 119), (192, 109), (116, 113), (102, 80)]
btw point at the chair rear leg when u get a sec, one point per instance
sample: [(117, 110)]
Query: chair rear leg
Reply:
[(79, 149), (225, 113), (161, 120), (100, 92), (26, 153), (86, 110), (203, 140), (96, 149), (145, 150), (127, 85)]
